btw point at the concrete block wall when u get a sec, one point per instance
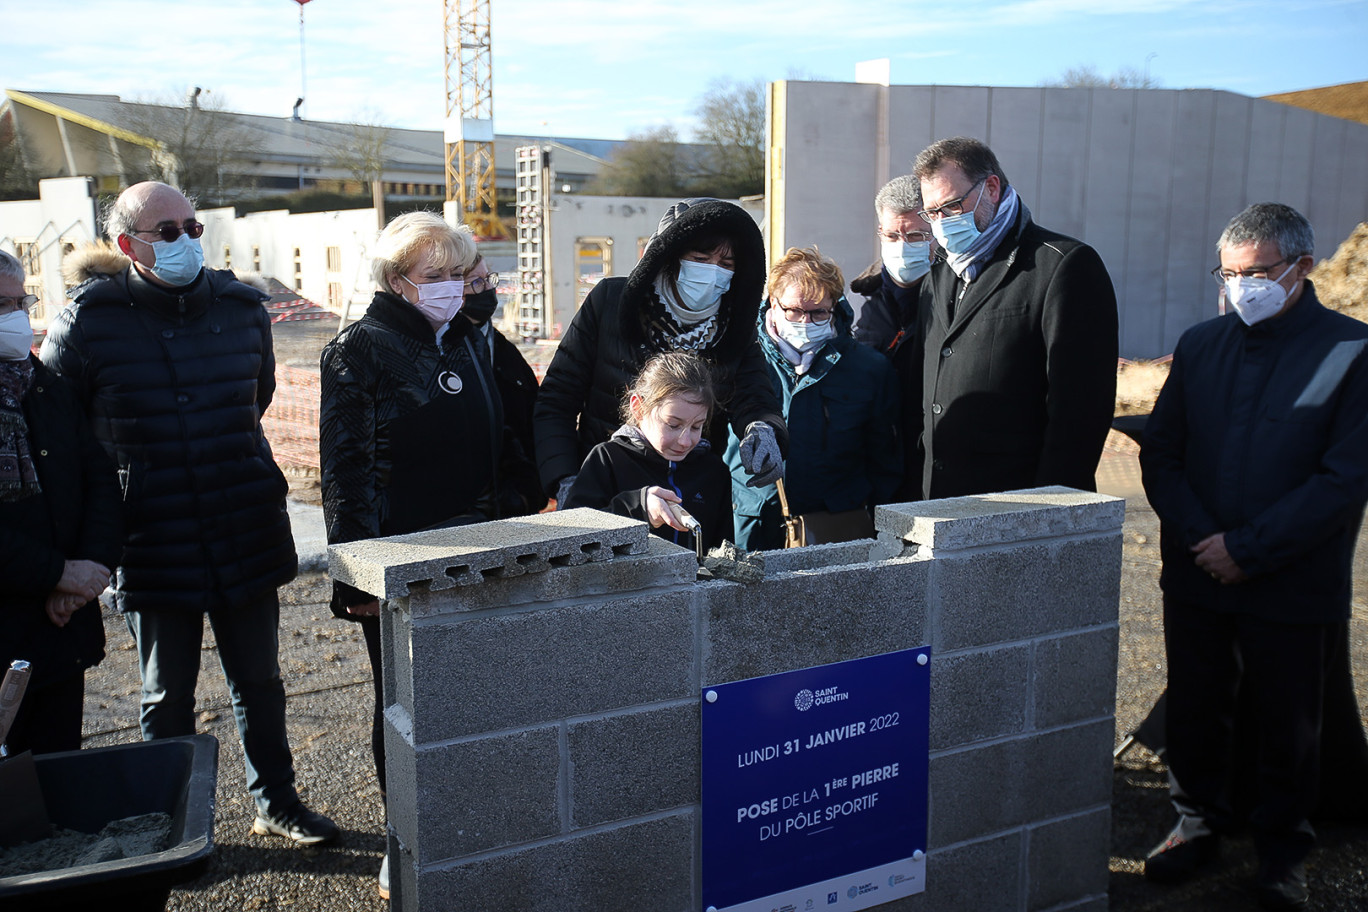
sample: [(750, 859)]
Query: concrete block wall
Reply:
[(543, 679)]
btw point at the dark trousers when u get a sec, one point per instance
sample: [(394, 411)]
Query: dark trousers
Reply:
[(1282, 669), (49, 717), (370, 627), (248, 643)]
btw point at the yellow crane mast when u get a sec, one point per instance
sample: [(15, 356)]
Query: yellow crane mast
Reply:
[(469, 129)]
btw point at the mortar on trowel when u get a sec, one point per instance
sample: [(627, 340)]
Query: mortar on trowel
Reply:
[(726, 562)]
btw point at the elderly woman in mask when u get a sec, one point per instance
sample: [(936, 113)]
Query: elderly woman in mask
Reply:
[(695, 289), (412, 431), (61, 532), (840, 400)]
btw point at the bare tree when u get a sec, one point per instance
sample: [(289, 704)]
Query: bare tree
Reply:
[(1088, 76), (732, 126), (204, 150), (650, 163), (363, 155), (15, 180)]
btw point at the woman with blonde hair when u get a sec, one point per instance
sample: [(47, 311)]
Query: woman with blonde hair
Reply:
[(412, 430)]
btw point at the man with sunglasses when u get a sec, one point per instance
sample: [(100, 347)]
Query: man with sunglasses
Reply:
[(174, 366), (1256, 462), (1020, 337)]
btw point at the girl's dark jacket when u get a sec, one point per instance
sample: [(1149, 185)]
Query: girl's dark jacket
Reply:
[(608, 342), (617, 473), (77, 516), (844, 446), (411, 433), (174, 382)]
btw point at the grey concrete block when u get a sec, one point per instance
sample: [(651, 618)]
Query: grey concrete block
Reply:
[(1011, 783), (1074, 677), (495, 672), (993, 519), (636, 867), (633, 764), (1069, 860), (658, 564), (816, 557), (484, 794), (468, 555), (977, 696), (797, 620), (983, 876), (997, 596)]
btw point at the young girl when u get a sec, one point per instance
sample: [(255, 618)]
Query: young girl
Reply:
[(657, 466)]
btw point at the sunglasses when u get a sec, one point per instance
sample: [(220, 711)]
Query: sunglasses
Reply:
[(170, 232)]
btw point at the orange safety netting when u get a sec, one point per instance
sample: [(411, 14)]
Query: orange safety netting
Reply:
[(291, 423)]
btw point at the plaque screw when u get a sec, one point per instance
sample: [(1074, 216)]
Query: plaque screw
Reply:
[(711, 697), (921, 659), (918, 855)]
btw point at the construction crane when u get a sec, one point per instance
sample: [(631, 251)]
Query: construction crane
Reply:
[(469, 130)]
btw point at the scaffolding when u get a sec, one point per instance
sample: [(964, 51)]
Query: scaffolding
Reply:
[(533, 177), (469, 129)]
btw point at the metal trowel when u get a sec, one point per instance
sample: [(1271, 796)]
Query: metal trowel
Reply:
[(23, 815)]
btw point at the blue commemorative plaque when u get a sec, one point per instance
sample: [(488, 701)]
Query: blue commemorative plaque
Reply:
[(815, 786)]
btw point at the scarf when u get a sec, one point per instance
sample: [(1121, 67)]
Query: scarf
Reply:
[(801, 360), (18, 479), (668, 335), (969, 264)]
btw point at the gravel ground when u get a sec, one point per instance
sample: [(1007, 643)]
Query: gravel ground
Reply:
[(328, 680), (325, 668)]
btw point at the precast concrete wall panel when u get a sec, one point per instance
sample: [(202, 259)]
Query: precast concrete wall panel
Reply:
[(1142, 282), (1188, 254), (831, 165), (958, 111), (1147, 177), (1015, 136)]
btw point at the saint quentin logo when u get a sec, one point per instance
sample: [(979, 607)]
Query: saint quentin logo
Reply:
[(450, 382)]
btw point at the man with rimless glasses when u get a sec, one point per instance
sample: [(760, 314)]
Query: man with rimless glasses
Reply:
[(1019, 368), (1256, 462), (174, 367)]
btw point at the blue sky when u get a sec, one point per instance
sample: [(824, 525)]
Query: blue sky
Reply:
[(606, 69)]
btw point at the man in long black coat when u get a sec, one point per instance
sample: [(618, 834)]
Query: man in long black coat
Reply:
[(1019, 368), (1256, 461)]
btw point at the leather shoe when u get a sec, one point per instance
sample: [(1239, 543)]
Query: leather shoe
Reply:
[(1181, 853), (1281, 886)]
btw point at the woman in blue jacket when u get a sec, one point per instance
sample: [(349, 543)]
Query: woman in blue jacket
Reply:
[(840, 400)]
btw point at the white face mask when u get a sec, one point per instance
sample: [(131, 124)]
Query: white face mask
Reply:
[(439, 301), (906, 261), (16, 336), (802, 336), (1255, 300)]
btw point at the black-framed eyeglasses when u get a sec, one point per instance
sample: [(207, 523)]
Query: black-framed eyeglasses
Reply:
[(907, 237), (483, 283), (23, 302), (952, 208), (170, 231), (817, 315), (1258, 272)]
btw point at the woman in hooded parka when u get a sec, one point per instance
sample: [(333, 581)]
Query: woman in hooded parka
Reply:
[(696, 289)]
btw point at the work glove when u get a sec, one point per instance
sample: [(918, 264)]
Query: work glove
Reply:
[(760, 455), (563, 491)]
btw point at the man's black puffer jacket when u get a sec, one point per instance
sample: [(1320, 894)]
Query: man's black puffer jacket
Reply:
[(175, 383), (608, 342)]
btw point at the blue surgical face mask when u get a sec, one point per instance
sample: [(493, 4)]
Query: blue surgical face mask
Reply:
[(906, 261), (701, 285), (957, 233), (178, 261)]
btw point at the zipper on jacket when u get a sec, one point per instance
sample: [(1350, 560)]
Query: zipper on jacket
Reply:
[(670, 478)]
